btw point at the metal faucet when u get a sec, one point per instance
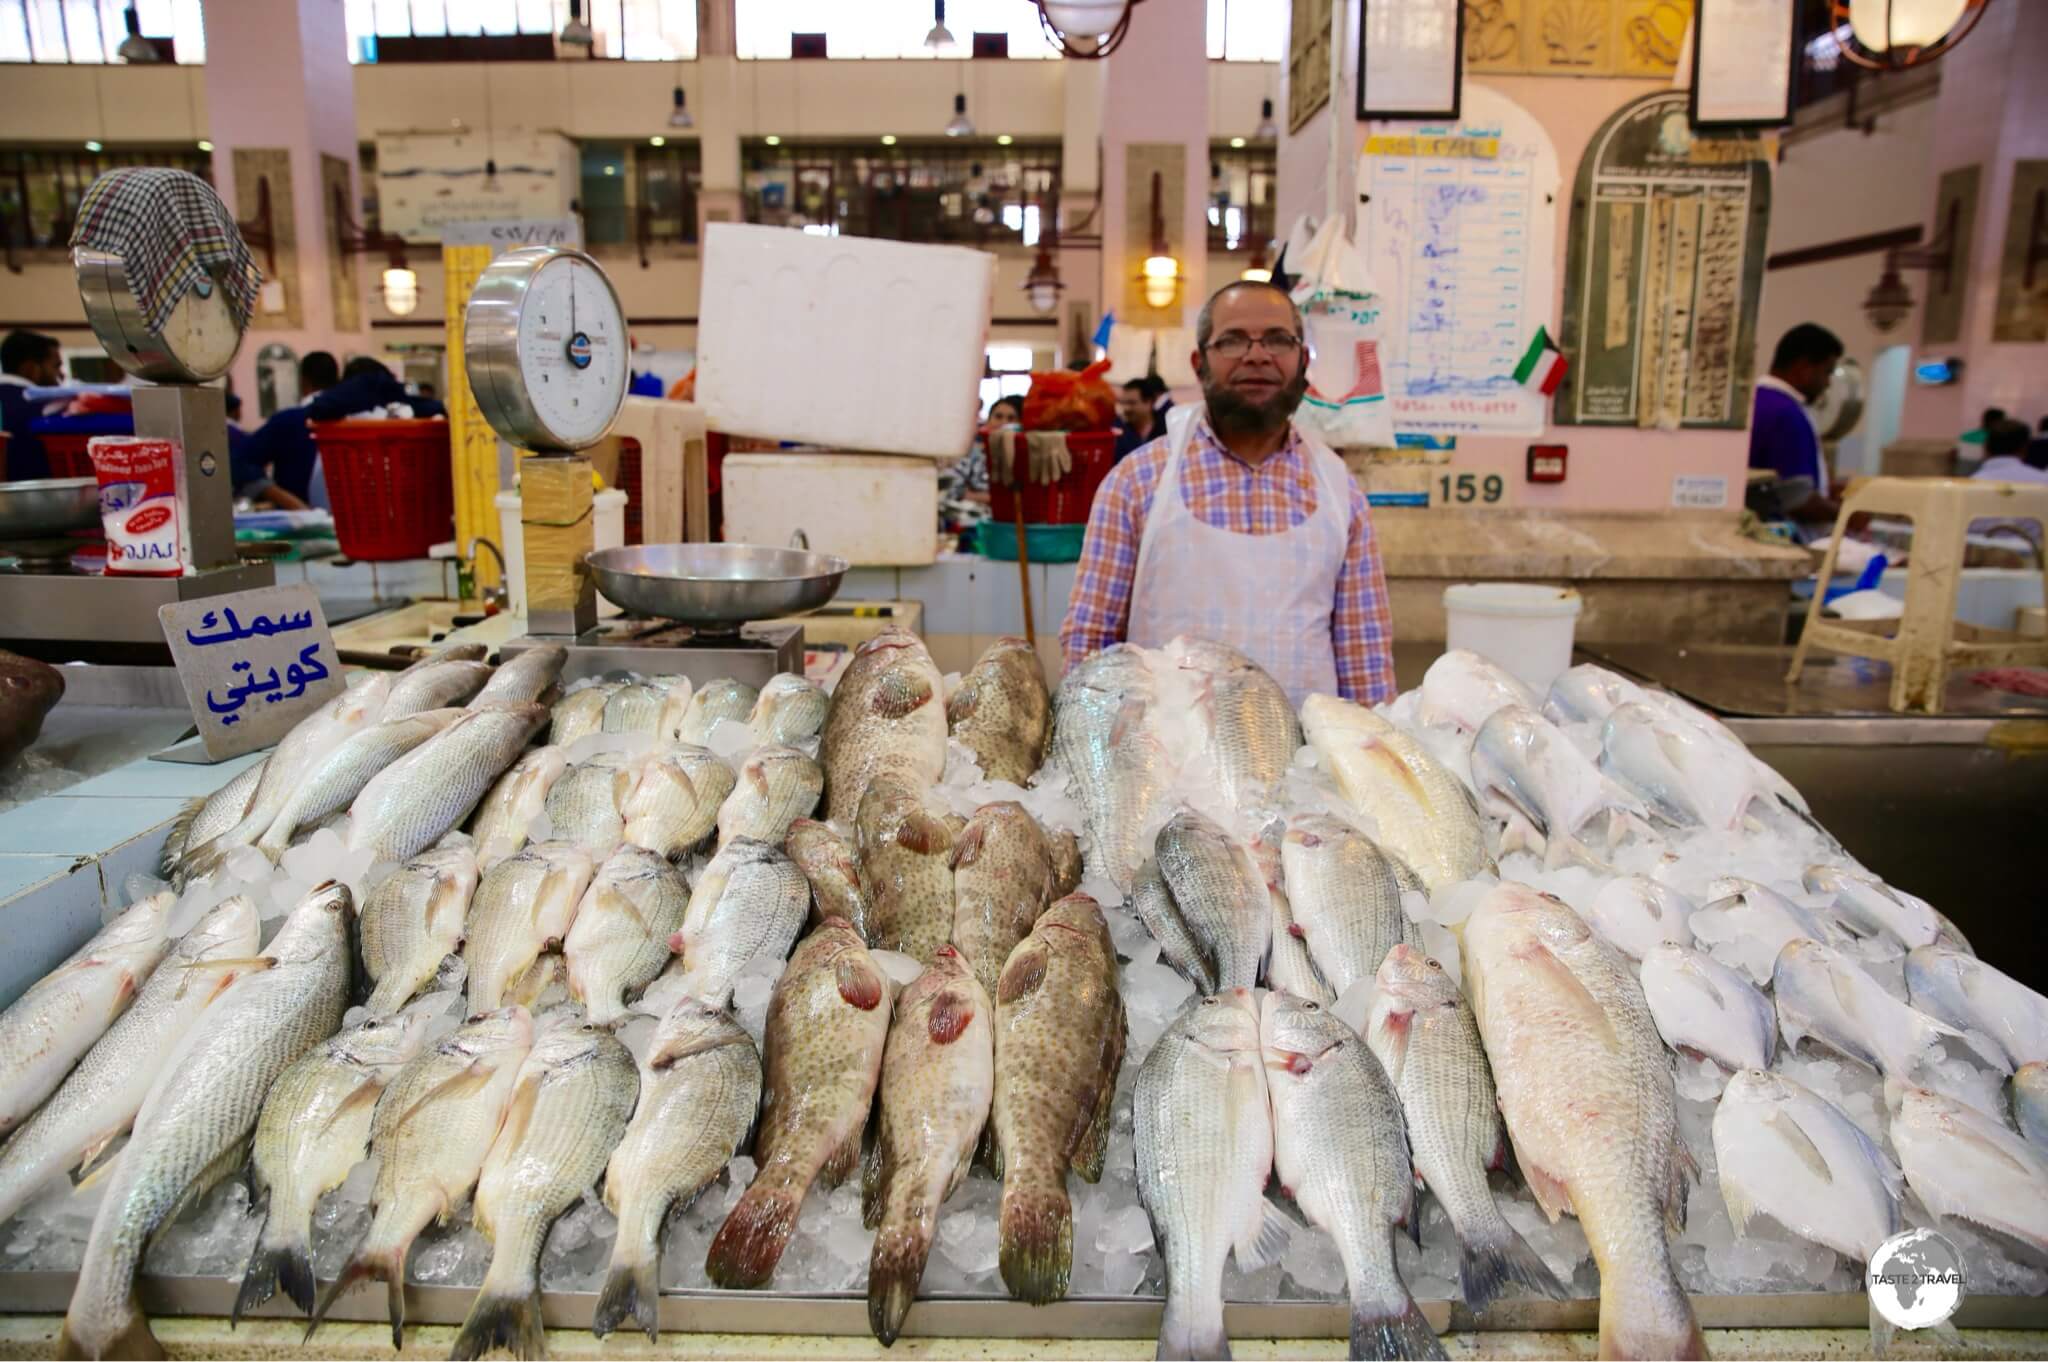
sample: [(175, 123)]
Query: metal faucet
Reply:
[(501, 594), (2007, 527)]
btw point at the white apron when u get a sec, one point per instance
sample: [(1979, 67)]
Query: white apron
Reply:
[(1269, 595)]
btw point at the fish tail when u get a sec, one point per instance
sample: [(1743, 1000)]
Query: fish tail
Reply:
[(132, 1339), (1186, 1332), (275, 1262), (894, 1269), (175, 845), (1504, 1256), (1647, 1314), (502, 1319), (632, 1290), (1403, 1333), (369, 1265), (1037, 1238), (750, 1242)]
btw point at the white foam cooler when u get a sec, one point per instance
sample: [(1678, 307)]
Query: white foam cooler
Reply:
[(874, 510), (844, 342)]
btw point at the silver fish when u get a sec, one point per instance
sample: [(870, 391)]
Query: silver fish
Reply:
[(434, 1124), (47, 1029), (1586, 1090), (620, 939), (677, 799), (776, 786), (1118, 767), (1823, 994), (202, 820), (1972, 996), (1462, 689), (315, 1127), (1528, 772), (788, 710), (524, 677), (435, 684), (2030, 1101), (96, 1104), (416, 799), (1588, 693), (578, 715), (337, 778), (196, 1121), (1341, 1151), (1153, 902), (1346, 898), (522, 905), (632, 708), (585, 804), (1423, 812), (1247, 724), (1205, 1148), (1422, 1032), (499, 827), (751, 900), (1965, 1165), (1783, 1152), (1759, 922), (1684, 776), (715, 700), (1872, 906), (1290, 966), (1634, 913), (570, 1107), (1220, 895), (412, 921), (1700, 1004), (699, 1092)]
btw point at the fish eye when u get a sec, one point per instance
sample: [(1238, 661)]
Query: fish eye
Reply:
[(1209, 1001), (1431, 962), (1313, 1007)]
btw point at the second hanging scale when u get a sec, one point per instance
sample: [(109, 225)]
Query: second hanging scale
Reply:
[(546, 346)]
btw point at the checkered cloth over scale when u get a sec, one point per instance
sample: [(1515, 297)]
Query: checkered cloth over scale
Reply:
[(172, 233)]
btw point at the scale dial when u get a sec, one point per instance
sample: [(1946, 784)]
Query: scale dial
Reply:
[(198, 341), (545, 341)]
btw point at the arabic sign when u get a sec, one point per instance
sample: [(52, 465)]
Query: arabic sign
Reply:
[(253, 664)]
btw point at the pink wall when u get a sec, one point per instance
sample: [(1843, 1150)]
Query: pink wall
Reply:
[(1157, 90)]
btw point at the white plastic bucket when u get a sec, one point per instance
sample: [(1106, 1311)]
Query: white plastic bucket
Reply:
[(1525, 627), (607, 528)]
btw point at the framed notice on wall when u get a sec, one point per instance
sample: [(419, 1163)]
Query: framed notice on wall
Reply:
[(1742, 64), (1409, 58)]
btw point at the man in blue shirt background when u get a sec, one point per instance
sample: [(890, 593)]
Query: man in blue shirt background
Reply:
[(1782, 436), (282, 449), (27, 360)]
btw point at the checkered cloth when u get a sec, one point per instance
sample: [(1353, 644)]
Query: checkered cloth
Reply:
[(172, 233), (1224, 492)]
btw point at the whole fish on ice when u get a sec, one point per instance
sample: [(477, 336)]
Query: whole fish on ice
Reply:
[(1871, 906), (1823, 994), (888, 712), (499, 826), (410, 803), (1528, 772), (1634, 913), (522, 906), (1219, 895), (620, 937), (1118, 768), (1245, 722), (1002, 713), (1755, 923), (1463, 690), (776, 786), (1700, 1004), (1424, 813), (788, 710), (1781, 1151), (750, 901), (1345, 894), (1965, 1165), (1973, 996), (676, 801), (411, 921)]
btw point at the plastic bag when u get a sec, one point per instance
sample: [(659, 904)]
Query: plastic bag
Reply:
[(1063, 400), (1343, 316)]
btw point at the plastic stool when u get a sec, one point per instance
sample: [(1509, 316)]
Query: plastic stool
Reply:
[(1924, 648)]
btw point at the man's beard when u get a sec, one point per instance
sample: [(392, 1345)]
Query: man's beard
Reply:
[(1232, 413)]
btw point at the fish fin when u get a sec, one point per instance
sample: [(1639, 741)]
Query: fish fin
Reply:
[(860, 983), (1488, 1267), (1799, 1145), (899, 692), (639, 918), (501, 1320), (967, 849), (1267, 1241), (365, 1095), (1741, 1205), (363, 1267), (748, 1245), (630, 1291), (841, 1162), (1023, 972), (273, 1265), (1987, 1049), (97, 1174), (1520, 835), (1563, 848), (1036, 1236), (133, 1339), (874, 1183), (950, 1015), (1378, 751), (519, 1112), (1405, 1333), (923, 834), (895, 1266), (468, 1080), (1094, 1143), (1684, 1170), (1551, 1194), (89, 1167)]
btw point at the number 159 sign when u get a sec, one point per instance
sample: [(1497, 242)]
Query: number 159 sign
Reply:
[(1470, 489)]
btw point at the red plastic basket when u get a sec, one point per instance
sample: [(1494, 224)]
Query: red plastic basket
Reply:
[(629, 483), (391, 484), (67, 455), (1067, 501)]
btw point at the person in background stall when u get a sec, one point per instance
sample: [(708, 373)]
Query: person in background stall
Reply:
[(2010, 455), (1236, 525), (28, 359), (1782, 435), (366, 385), (968, 477), (282, 450), (1971, 443), (1136, 422), (252, 479)]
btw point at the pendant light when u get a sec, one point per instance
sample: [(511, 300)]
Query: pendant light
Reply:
[(679, 115), (960, 125), (1268, 130), (576, 33), (1161, 271), (135, 49), (1086, 29), (941, 37), (1891, 35)]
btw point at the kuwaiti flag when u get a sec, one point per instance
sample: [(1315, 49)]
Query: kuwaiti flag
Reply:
[(1542, 366)]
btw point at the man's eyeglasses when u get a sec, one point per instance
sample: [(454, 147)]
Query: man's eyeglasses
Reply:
[(1236, 344)]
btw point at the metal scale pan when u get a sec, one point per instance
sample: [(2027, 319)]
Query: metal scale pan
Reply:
[(715, 588)]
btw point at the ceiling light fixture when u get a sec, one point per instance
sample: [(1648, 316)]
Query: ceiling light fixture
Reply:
[(657, 141), (1891, 35), (940, 37), (205, 145), (888, 139), (135, 49), (960, 125), (1043, 285), (772, 140), (1004, 139), (1268, 130), (576, 33), (93, 146), (1161, 272), (1086, 29), (1236, 143), (1890, 300), (401, 291), (679, 113)]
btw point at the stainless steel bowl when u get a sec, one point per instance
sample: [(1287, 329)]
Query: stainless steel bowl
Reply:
[(716, 587), (48, 506)]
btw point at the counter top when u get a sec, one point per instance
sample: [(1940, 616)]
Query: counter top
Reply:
[(1577, 545)]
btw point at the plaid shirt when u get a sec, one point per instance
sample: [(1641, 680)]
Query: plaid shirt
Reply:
[(1226, 493)]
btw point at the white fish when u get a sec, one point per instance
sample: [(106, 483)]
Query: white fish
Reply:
[(1683, 776), (1634, 913), (1872, 906), (501, 821), (1786, 1153), (1967, 1166), (49, 1027), (1522, 764), (1588, 693), (1424, 814), (1972, 996), (1700, 1004), (1461, 689), (751, 900), (2030, 1101), (521, 906), (619, 940), (1824, 994), (1757, 922)]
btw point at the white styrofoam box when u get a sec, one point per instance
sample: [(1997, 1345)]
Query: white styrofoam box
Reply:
[(870, 509), (607, 531), (842, 341)]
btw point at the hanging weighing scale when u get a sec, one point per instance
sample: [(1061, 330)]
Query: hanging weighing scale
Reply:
[(546, 345)]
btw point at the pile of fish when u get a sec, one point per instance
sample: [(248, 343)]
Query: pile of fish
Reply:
[(719, 944)]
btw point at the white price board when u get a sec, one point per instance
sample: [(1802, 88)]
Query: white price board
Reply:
[(1691, 492), (253, 663)]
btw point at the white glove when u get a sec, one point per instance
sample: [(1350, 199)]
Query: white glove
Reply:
[(1050, 460)]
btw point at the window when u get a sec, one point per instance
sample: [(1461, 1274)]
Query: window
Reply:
[(636, 30), (40, 189), (640, 194), (91, 30), (1248, 30), (762, 29), (971, 192), (1241, 185), (1006, 374)]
